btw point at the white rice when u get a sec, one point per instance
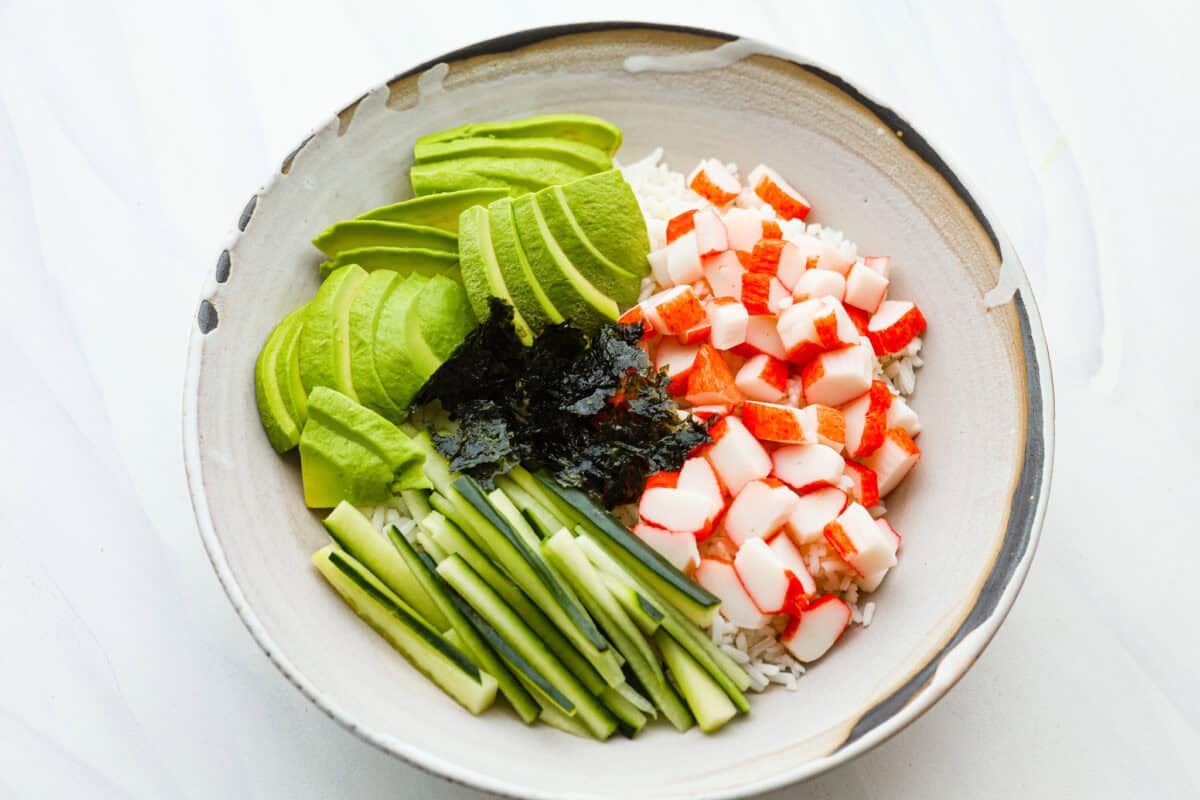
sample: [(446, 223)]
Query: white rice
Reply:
[(662, 193)]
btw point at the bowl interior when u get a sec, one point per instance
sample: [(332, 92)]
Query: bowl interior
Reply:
[(862, 178)]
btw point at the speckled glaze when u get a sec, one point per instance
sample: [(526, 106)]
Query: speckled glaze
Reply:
[(970, 514)]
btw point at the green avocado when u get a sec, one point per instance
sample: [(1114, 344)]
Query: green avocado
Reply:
[(281, 418), (403, 366), (444, 316), (365, 312), (598, 202), (584, 157), (582, 128), (526, 293), (348, 452), (602, 273), (574, 297), (358, 233), (287, 369), (480, 269), (405, 260), (435, 210), (324, 349), (518, 175)]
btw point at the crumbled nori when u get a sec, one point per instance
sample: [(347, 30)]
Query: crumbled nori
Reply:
[(595, 413)]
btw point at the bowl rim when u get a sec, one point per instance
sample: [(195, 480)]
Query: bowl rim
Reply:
[(904, 704)]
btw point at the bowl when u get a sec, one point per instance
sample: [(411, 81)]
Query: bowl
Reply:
[(970, 513)]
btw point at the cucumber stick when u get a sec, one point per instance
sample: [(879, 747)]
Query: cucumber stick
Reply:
[(355, 534), (705, 698), (630, 718), (416, 502), (723, 669), (476, 642), (452, 540), (426, 649), (563, 551), (527, 569), (541, 518), (645, 614), (499, 615), (512, 515), (696, 602)]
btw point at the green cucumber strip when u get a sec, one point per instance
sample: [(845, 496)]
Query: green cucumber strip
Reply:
[(631, 719), (524, 479), (645, 614), (512, 516), (453, 541), (430, 546), (528, 570), (399, 624), (452, 512), (724, 670), (543, 521), (708, 702), (475, 641), (500, 616), (639, 702), (642, 560), (355, 534), (556, 719), (562, 551), (416, 502)]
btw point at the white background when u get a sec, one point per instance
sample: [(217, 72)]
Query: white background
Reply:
[(131, 135)]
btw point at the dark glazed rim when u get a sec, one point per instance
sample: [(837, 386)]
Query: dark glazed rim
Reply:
[(905, 703)]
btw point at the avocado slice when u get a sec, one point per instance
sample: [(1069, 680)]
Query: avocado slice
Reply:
[(278, 413), (581, 156), (403, 369), (444, 316), (597, 203), (287, 369), (619, 284), (348, 452), (582, 128), (435, 210), (405, 260), (518, 175), (527, 296), (325, 340), (480, 269), (358, 233), (364, 323), (575, 298)]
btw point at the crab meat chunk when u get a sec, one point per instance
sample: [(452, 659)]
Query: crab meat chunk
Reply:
[(713, 181), (778, 193), (814, 511), (894, 459), (675, 546), (758, 510), (736, 456), (763, 378), (860, 542), (837, 376), (805, 467), (816, 628)]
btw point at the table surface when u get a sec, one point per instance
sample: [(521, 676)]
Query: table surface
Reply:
[(131, 134)]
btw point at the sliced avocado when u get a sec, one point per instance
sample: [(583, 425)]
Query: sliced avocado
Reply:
[(395, 362), (527, 296), (518, 175), (619, 284), (348, 452), (405, 260), (364, 322), (354, 234), (444, 316), (583, 128), (575, 298), (435, 210), (581, 156), (278, 414), (325, 340), (287, 369), (598, 202), (481, 271)]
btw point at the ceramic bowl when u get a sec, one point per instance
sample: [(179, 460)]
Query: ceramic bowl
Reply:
[(970, 513)]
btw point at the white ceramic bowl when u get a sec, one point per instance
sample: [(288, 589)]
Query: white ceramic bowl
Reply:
[(970, 513)]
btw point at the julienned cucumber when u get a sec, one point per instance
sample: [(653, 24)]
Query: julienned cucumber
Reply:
[(642, 560), (732, 678), (397, 622), (563, 551), (533, 576), (355, 534), (645, 614), (537, 515), (513, 516), (704, 697), (500, 616), (476, 642), (452, 540), (630, 718)]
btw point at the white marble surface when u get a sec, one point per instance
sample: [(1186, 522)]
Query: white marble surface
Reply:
[(131, 134)]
